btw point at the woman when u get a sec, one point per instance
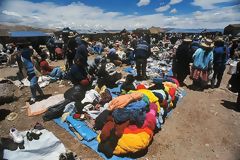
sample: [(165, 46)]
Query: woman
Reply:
[(46, 69), (202, 64)]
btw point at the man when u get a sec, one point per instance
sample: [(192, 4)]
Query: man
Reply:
[(51, 48), (113, 56), (82, 49), (219, 61), (80, 79), (71, 50), (26, 54), (142, 53), (183, 58)]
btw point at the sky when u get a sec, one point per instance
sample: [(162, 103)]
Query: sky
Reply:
[(119, 14)]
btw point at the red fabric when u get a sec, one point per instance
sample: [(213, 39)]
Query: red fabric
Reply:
[(200, 74), (172, 92), (141, 86), (119, 128), (175, 81), (105, 133), (138, 130), (58, 51), (45, 68), (84, 82), (76, 116)]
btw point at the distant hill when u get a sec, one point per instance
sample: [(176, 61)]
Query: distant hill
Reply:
[(4, 29)]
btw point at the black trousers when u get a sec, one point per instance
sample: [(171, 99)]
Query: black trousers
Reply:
[(141, 65), (218, 73)]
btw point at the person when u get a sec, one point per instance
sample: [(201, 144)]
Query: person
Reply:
[(82, 49), (233, 46), (113, 56), (219, 61), (202, 63), (51, 46), (46, 69), (78, 74), (81, 81), (26, 54), (238, 89), (142, 53), (128, 84), (71, 50), (183, 58), (58, 52), (107, 74)]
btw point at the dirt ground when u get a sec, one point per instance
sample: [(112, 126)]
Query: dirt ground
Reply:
[(204, 126)]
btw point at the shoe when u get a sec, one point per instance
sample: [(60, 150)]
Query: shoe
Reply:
[(32, 101), (17, 137)]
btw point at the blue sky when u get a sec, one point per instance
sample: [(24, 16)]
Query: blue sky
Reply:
[(118, 14)]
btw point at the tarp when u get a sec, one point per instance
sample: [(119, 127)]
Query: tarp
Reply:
[(28, 34), (47, 147)]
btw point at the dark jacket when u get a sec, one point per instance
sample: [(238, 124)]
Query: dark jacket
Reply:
[(142, 50), (82, 50)]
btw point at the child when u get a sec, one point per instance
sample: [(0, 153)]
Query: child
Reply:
[(128, 84)]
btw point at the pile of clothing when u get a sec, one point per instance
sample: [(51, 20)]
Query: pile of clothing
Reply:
[(129, 123), (155, 68), (124, 125)]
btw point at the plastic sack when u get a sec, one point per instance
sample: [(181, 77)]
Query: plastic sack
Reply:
[(232, 67)]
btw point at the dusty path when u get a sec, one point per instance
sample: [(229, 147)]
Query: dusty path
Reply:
[(202, 127)]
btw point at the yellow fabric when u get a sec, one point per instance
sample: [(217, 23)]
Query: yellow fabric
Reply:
[(131, 143), (167, 90), (170, 85), (152, 98)]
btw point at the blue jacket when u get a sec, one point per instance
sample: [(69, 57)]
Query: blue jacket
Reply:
[(26, 58), (220, 55), (201, 59), (142, 50)]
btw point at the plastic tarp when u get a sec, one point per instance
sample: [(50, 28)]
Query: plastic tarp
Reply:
[(93, 144), (28, 34), (47, 147)]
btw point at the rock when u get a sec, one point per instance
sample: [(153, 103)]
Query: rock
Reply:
[(207, 145), (7, 89)]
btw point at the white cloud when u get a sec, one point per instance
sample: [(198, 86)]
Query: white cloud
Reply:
[(163, 8), (9, 13), (209, 4), (143, 3), (173, 11), (81, 16), (168, 6), (175, 2)]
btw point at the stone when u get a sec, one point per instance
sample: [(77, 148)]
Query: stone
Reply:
[(7, 89)]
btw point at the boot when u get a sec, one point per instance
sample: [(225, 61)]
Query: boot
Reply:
[(212, 83)]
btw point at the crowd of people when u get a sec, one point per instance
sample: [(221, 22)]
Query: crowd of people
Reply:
[(203, 57)]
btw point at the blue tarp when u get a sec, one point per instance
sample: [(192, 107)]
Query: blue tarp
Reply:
[(28, 34)]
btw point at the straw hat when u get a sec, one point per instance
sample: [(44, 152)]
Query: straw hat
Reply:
[(187, 40), (235, 39), (207, 43), (219, 39), (71, 35)]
